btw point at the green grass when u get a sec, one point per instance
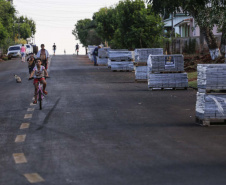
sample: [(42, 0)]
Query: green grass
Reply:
[(192, 75), (193, 84)]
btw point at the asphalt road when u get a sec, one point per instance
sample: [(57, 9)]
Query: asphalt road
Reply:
[(98, 127)]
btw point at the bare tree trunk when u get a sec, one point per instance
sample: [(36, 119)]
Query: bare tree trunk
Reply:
[(211, 42)]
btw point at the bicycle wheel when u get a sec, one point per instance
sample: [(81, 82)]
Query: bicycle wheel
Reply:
[(40, 99)]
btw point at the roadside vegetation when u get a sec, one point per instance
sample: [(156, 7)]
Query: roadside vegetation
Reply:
[(13, 29)]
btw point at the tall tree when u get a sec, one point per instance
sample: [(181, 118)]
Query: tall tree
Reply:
[(85, 32), (205, 13)]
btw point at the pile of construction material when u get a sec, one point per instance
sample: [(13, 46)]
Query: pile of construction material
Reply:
[(166, 71), (102, 58), (140, 64), (90, 51), (120, 60), (211, 95)]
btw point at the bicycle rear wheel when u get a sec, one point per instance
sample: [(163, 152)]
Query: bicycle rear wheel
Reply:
[(40, 99)]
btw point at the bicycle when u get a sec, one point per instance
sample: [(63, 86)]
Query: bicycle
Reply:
[(40, 95)]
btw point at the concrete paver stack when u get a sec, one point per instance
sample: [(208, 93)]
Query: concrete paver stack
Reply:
[(102, 58), (140, 64), (211, 96), (120, 60), (90, 51), (166, 71)]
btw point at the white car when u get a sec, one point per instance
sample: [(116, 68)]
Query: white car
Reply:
[(14, 51), (29, 49)]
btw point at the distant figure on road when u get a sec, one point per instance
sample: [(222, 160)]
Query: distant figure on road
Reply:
[(44, 55), (95, 54), (64, 51), (54, 48), (31, 62), (77, 48), (23, 52)]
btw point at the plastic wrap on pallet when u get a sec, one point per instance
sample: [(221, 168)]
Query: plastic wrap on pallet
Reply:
[(211, 106), (141, 72), (122, 66), (167, 80), (102, 61), (109, 63), (142, 54), (166, 63), (103, 52), (211, 76), (120, 55)]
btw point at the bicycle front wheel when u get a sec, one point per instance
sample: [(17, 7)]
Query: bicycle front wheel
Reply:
[(40, 99)]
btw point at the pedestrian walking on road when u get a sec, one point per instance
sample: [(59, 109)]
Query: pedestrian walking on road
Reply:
[(95, 54), (64, 51), (23, 52), (77, 48), (44, 55), (31, 62), (54, 48)]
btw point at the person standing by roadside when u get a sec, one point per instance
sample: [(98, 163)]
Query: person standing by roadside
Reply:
[(23, 52), (44, 55), (95, 54), (54, 48), (31, 62), (77, 48)]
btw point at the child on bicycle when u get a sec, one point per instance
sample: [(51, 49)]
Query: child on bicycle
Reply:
[(38, 73)]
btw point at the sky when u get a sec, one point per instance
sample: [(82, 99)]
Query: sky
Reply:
[(55, 20)]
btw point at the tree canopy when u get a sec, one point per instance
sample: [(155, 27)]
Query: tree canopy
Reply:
[(130, 24), (12, 27)]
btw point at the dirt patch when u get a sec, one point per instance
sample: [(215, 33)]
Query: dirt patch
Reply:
[(191, 62)]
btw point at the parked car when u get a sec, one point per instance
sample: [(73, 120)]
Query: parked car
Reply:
[(29, 49), (14, 51)]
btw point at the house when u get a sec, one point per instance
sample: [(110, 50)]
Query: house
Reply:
[(185, 26)]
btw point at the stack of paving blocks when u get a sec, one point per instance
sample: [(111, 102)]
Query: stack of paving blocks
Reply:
[(166, 71), (211, 106), (120, 60), (102, 58), (140, 64), (90, 51), (113, 50)]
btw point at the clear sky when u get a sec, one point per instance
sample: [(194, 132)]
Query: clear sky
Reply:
[(55, 20)]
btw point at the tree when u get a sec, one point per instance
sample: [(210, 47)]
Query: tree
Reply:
[(105, 21), (129, 25), (206, 13), (85, 32)]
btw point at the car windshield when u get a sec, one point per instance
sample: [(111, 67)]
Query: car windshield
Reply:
[(14, 48), (27, 46)]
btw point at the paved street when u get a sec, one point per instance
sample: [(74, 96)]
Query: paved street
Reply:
[(98, 127)]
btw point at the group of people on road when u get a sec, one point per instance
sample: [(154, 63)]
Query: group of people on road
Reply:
[(38, 69)]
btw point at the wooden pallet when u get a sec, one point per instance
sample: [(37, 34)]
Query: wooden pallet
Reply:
[(163, 72), (210, 122), (167, 88), (141, 81), (140, 64), (121, 71), (213, 91)]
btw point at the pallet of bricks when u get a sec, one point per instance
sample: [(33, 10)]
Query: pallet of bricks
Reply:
[(120, 60), (110, 51), (90, 51), (140, 64), (211, 95), (102, 58), (166, 72)]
